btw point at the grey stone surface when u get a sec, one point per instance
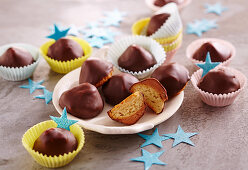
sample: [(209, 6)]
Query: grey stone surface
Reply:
[(223, 132)]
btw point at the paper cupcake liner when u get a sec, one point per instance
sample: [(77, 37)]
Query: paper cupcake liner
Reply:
[(170, 28), (34, 132), (221, 99), (149, 44), (195, 45), (171, 46), (170, 55), (182, 4), (66, 66), (19, 73)]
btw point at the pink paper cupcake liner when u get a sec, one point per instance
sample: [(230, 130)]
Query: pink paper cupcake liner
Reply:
[(220, 99), (195, 45), (181, 4)]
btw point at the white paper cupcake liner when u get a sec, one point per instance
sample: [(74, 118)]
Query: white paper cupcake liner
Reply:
[(181, 4), (219, 100), (195, 45), (19, 73), (117, 49), (173, 24)]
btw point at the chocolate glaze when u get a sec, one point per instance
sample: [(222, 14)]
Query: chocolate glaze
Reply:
[(117, 88), (219, 81), (156, 22), (94, 70), (83, 101), (218, 52), (173, 77), (16, 57), (136, 58), (55, 141), (161, 3), (65, 49)]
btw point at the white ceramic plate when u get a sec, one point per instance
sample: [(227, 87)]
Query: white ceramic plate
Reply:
[(102, 123)]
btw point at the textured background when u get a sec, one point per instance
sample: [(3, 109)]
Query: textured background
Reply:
[(223, 132)]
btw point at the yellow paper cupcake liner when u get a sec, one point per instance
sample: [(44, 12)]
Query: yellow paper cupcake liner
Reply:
[(66, 66), (34, 132), (174, 45), (139, 26)]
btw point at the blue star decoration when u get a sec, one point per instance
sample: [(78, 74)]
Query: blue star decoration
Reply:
[(208, 65), (180, 136), (32, 85), (216, 8), (113, 18), (200, 26), (155, 139), (58, 33), (149, 158), (47, 96), (62, 121)]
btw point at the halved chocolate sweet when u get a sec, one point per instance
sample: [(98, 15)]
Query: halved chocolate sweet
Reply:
[(156, 22), (219, 81), (136, 58), (218, 52), (16, 57), (65, 49)]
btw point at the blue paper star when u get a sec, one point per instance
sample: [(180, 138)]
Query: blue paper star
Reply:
[(47, 96), (200, 26), (92, 25), (58, 33), (32, 85), (180, 136), (153, 139), (149, 158), (95, 32), (96, 42), (208, 65), (115, 14), (111, 21), (216, 8), (62, 121)]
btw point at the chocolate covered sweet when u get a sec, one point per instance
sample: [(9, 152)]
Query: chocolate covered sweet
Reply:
[(136, 58), (55, 141), (161, 3), (173, 77), (219, 81), (117, 87), (65, 49), (16, 57), (156, 22), (95, 71), (218, 52), (83, 101)]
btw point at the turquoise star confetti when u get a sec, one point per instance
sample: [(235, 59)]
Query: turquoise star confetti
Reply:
[(96, 42), (208, 65), (62, 121), (74, 30), (180, 136), (32, 85), (149, 158), (115, 14), (47, 96), (155, 139), (200, 26), (113, 18), (216, 8), (58, 33)]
